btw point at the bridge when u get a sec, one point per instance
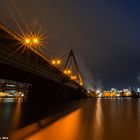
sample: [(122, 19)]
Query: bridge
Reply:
[(21, 60)]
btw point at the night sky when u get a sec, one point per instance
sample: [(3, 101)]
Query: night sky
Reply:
[(104, 34)]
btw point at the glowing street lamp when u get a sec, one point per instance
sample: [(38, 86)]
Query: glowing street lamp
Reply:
[(73, 77), (65, 71), (53, 62), (81, 84), (31, 41), (35, 40), (27, 41), (56, 62), (68, 72)]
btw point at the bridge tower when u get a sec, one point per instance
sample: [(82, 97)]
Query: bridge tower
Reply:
[(72, 64)]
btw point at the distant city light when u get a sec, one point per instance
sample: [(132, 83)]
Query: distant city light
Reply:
[(10, 85), (138, 90), (98, 91)]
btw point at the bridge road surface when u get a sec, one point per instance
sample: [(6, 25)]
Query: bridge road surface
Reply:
[(93, 119)]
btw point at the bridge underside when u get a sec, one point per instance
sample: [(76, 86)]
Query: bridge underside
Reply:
[(41, 89), (48, 83)]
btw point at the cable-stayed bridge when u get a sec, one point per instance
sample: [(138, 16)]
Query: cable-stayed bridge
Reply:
[(20, 60)]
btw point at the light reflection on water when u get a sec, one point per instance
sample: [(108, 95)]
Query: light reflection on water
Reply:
[(95, 119), (98, 124), (10, 100), (67, 128), (10, 111), (16, 115), (82, 124)]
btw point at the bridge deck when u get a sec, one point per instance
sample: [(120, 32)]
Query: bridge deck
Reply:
[(13, 53)]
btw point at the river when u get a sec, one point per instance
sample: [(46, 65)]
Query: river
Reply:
[(89, 119)]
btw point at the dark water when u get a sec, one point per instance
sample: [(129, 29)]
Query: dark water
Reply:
[(90, 119)]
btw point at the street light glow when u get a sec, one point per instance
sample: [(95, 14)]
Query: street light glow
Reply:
[(73, 77), (56, 62), (81, 84), (27, 41), (67, 71), (31, 41), (35, 40), (53, 62)]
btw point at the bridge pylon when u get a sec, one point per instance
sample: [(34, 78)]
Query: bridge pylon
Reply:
[(71, 65)]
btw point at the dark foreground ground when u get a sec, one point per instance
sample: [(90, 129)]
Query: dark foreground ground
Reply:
[(89, 119)]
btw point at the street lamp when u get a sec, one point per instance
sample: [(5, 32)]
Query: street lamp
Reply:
[(35, 40), (31, 41), (27, 41), (67, 71), (56, 62)]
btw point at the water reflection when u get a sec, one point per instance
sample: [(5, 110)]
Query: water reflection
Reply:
[(16, 115), (98, 123), (67, 128), (10, 110), (95, 119), (7, 100), (85, 123)]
